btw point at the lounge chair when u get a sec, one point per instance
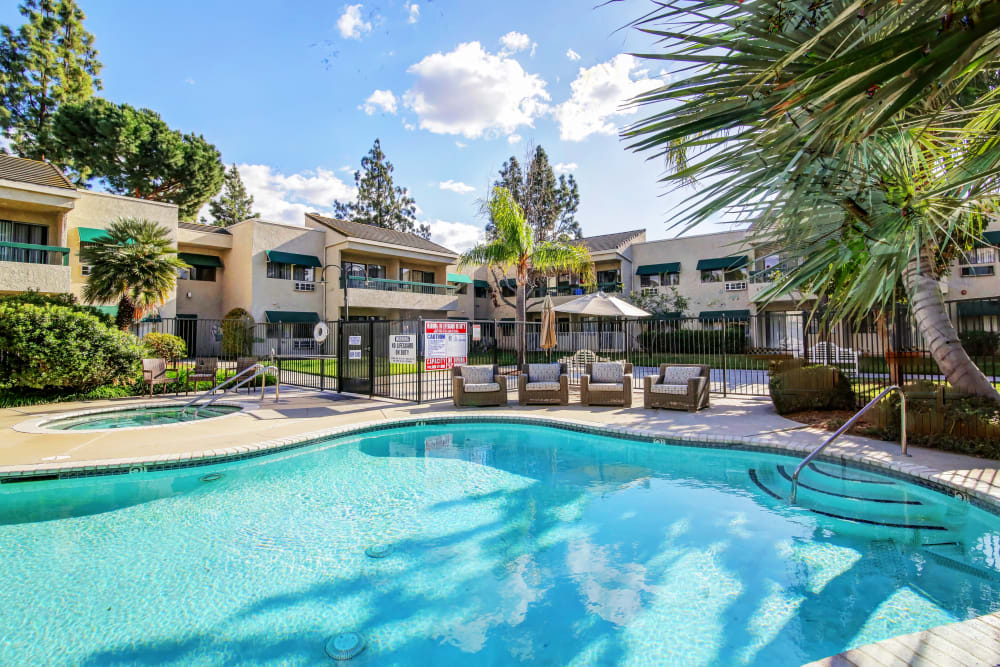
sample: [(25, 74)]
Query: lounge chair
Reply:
[(154, 372), (607, 383), (478, 385), (205, 370), (677, 387), (543, 383)]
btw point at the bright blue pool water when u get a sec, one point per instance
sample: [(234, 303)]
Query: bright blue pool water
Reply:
[(510, 544), (138, 417)]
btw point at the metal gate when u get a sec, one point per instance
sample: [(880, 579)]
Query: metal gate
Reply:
[(356, 357)]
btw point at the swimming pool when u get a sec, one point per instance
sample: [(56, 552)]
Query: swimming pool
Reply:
[(509, 543), (136, 417)]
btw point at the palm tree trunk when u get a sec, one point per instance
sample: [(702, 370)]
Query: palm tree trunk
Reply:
[(939, 333), (126, 313), (520, 325)]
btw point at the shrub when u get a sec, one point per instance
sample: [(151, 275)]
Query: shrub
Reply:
[(164, 346), (980, 343), (692, 341), (58, 348), (65, 300), (237, 333), (795, 387)]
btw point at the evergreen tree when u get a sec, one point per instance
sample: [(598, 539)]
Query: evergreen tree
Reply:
[(49, 61), (379, 202), (135, 153), (549, 204), (234, 204)]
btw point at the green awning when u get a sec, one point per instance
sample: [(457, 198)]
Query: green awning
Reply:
[(509, 282), (992, 238), (91, 235), (293, 258), (108, 310), (723, 263), (978, 307), (724, 314), (291, 316), (195, 259), (672, 315), (480, 283), (657, 269), (459, 278)]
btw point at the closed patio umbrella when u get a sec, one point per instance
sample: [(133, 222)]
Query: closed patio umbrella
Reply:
[(600, 304), (548, 337)]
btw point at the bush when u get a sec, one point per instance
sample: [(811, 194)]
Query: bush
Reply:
[(16, 399), (65, 300), (794, 387), (980, 343), (164, 346), (57, 348), (691, 341), (237, 333)]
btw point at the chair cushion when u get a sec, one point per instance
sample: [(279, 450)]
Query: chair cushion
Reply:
[(680, 389), (477, 375), (680, 374), (542, 386), (481, 387), (610, 372), (607, 386), (543, 373)]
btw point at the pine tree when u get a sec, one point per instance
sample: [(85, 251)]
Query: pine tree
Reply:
[(234, 204), (379, 202), (549, 204), (48, 61)]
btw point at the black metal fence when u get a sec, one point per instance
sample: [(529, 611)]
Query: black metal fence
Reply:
[(357, 356)]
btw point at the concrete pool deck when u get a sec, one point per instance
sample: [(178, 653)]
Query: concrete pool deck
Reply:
[(301, 415)]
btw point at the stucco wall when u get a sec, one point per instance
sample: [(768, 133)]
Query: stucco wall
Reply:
[(45, 278), (206, 296), (276, 294)]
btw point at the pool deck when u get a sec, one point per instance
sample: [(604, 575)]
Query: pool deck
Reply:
[(300, 415)]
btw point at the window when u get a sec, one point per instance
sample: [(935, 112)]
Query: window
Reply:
[(977, 271), (986, 255), (85, 270), (460, 288), (377, 271), (711, 276), (416, 276), (205, 273), (608, 277), (482, 292), (720, 276), (658, 279), (279, 270), (303, 273), (23, 232)]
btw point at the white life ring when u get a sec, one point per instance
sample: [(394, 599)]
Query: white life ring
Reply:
[(320, 332)]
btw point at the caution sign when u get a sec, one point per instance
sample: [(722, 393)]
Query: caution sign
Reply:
[(446, 344)]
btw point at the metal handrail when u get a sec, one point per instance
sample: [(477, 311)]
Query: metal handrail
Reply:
[(845, 427), (263, 370), (221, 385)]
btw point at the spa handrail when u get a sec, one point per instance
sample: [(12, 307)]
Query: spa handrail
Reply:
[(240, 384), (847, 425), (222, 384)]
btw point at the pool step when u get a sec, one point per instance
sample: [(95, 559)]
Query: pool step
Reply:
[(848, 475), (871, 499)]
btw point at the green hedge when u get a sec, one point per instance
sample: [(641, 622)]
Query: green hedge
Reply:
[(795, 387), (165, 346), (58, 348), (65, 300), (980, 343), (688, 341)]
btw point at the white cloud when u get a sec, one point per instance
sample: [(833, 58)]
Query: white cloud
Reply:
[(409, 127), (189, 81), (471, 92), (564, 167), (456, 186), (351, 25), (414, 10), (287, 197), (514, 138), (458, 236), (460, 144), (382, 100), (572, 55), (347, 169), (513, 42), (597, 95)]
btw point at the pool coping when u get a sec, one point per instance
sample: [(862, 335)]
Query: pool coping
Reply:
[(36, 425)]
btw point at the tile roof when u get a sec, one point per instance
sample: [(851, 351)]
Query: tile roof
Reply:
[(380, 235), (614, 241), (32, 171), (208, 229)]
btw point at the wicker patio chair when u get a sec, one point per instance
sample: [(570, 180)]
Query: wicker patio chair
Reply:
[(154, 372), (478, 386), (205, 370), (677, 387), (607, 383), (543, 383)]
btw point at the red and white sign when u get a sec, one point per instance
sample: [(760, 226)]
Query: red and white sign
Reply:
[(446, 344)]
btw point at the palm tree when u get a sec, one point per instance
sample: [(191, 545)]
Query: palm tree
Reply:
[(513, 247), (861, 137), (134, 264)]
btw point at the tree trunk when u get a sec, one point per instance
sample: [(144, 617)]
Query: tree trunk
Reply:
[(519, 325), (939, 333), (126, 313)]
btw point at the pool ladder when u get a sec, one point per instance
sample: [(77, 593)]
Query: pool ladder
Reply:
[(843, 429), (257, 369)]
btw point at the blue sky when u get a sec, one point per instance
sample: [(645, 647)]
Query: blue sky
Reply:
[(295, 93)]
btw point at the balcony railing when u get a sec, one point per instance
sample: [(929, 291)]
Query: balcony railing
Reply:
[(769, 274), (29, 253), (576, 290), (386, 285)]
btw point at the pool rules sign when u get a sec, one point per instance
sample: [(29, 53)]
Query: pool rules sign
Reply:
[(446, 344), (403, 349)]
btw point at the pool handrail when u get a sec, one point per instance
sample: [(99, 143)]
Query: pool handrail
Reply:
[(263, 370), (222, 384), (847, 425)]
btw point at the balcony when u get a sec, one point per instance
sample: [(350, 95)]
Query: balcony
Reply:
[(402, 294), (39, 267), (576, 290)]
